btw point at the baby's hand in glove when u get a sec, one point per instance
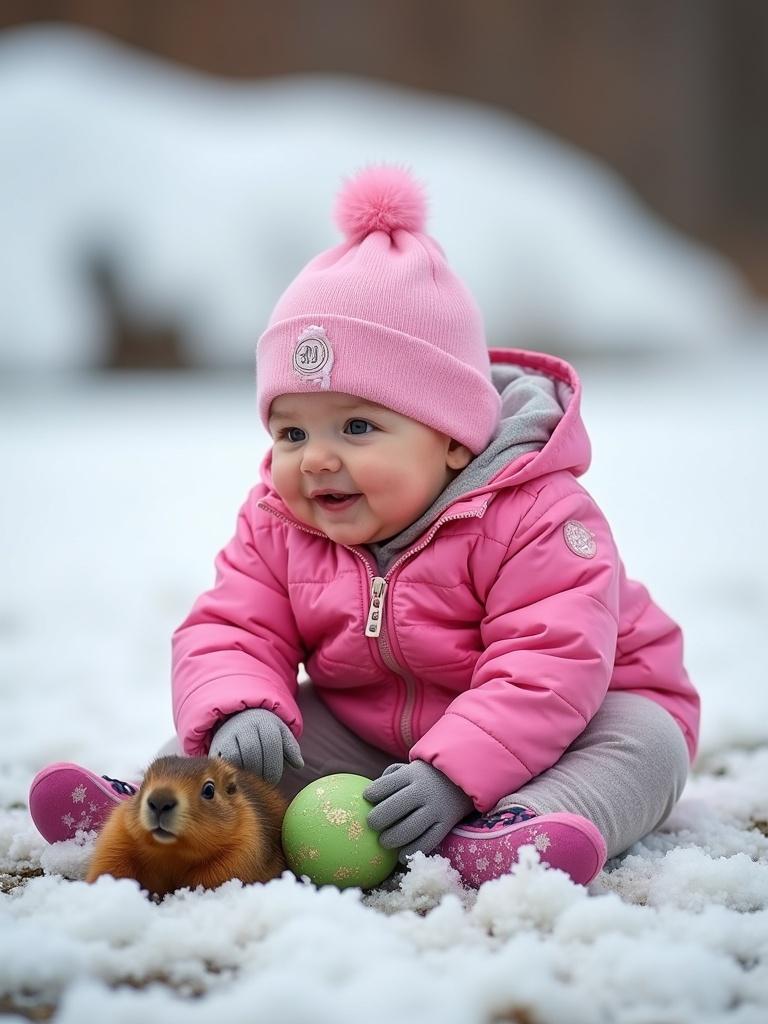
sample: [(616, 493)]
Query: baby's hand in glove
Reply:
[(258, 740), (416, 807)]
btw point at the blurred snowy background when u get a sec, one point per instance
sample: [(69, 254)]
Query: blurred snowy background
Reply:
[(143, 196), (150, 215)]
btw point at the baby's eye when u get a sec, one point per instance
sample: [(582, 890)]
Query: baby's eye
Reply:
[(293, 434), (360, 427)]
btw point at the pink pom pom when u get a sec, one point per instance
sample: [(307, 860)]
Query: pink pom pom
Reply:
[(381, 198)]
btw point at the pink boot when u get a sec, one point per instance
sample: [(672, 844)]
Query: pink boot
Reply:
[(65, 797), (485, 846)]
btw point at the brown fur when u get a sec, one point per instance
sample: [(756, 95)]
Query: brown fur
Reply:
[(208, 841)]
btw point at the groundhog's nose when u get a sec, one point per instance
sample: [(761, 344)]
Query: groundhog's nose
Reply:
[(160, 801)]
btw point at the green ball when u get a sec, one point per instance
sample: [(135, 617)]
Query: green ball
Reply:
[(326, 837)]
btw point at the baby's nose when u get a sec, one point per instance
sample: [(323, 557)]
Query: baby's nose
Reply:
[(319, 458)]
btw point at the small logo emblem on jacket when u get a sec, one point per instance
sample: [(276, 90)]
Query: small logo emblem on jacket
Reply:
[(313, 357), (579, 539)]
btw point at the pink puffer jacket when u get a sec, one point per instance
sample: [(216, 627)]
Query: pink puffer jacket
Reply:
[(501, 628)]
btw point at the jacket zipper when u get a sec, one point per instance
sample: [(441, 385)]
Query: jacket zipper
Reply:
[(375, 624), (376, 608), (379, 586)]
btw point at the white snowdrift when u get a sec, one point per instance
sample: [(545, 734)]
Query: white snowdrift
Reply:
[(205, 197)]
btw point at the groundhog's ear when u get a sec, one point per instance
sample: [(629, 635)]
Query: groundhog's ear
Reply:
[(231, 788)]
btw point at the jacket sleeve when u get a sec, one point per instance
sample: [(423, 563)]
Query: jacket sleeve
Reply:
[(239, 647), (549, 643)]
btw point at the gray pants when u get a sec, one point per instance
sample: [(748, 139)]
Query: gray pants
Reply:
[(624, 773)]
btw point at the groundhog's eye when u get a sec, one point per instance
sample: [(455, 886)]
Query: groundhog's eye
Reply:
[(208, 791)]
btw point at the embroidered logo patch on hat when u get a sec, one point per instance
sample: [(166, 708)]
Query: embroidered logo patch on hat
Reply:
[(579, 539), (313, 356)]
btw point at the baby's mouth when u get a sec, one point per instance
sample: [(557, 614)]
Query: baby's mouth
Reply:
[(336, 502)]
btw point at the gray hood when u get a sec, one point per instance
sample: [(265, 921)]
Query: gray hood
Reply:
[(531, 407)]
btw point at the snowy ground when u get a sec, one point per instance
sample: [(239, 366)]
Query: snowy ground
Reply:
[(116, 494)]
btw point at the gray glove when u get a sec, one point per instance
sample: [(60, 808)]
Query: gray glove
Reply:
[(257, 739), (416, 807)]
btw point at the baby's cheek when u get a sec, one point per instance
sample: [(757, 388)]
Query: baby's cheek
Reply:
[(283, 479), (405, 492), (389, 482)]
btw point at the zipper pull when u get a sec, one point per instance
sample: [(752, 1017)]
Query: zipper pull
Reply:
[(376, 609)]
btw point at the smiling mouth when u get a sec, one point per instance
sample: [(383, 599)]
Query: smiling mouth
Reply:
[(336, 502)]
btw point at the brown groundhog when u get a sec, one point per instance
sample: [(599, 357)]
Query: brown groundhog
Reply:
[(195, 821)]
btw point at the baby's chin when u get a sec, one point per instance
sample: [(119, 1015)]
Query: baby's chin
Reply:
[(354, 534), (347, 535)]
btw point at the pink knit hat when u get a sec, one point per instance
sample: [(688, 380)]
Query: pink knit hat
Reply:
[(382, 317)]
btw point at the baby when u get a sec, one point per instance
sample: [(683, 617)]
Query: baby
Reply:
[(420, 542)]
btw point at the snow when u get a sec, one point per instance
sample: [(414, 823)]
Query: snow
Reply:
[(206, 196), (118, 491)]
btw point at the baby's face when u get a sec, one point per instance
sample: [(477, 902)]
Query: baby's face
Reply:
[(355, 470)]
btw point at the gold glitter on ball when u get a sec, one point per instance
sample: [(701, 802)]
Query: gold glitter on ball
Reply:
[(337, 816), (309, 852), (354, 831)]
